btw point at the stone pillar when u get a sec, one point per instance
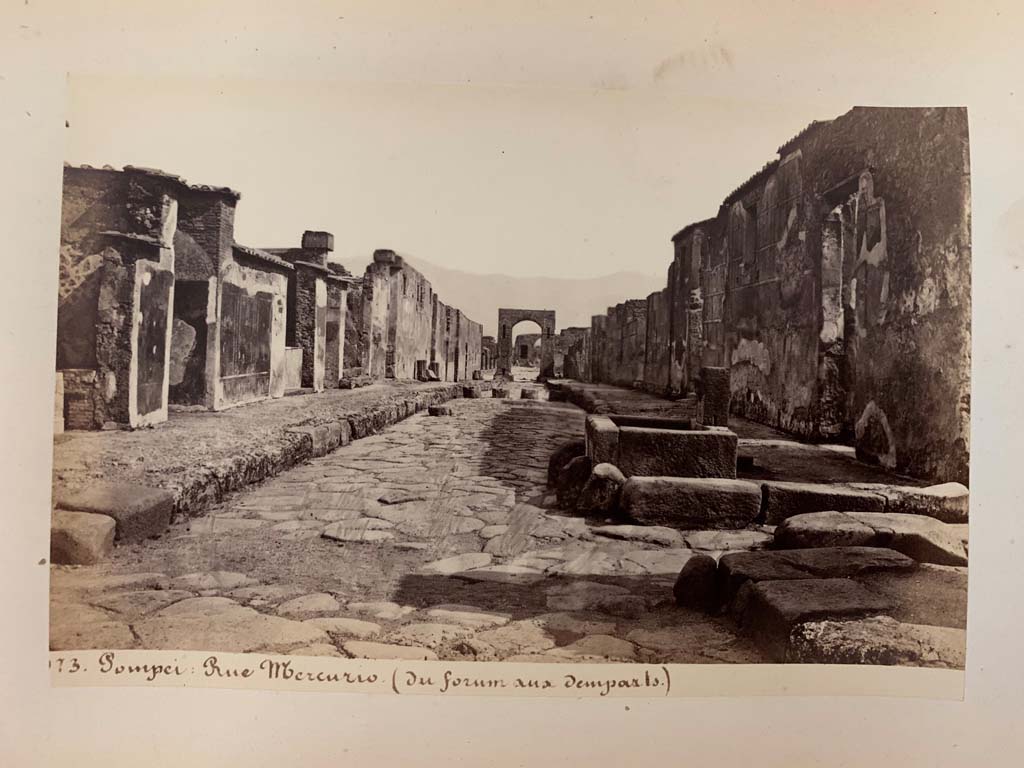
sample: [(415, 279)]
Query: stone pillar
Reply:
[(311, 322), (714, 394)]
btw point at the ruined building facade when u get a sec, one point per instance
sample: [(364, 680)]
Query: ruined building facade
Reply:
[(834, 285), (160, 307)]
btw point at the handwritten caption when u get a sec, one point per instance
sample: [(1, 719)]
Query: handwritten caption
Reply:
[(356, 675)]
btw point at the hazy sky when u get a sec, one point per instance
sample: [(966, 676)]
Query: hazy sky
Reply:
[(537, 157), (523, 181)]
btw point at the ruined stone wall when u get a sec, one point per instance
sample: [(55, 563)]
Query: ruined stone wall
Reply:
[(906, 282), (471, 336), (574, 344), (115, 294), (834, 287), (410, 323)]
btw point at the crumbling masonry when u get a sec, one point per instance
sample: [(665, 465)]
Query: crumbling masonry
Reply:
[(159, 307), (834, 288)]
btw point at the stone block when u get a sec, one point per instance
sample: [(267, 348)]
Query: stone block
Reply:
[(715, 395), (771, 609), (471, 392), (139, 511), (878, 640), (500, 392), (80, 538), (688, 503), (562, 455), (661, 447), (439, 410), (477, 375), (529, 393), (600, 494), (696, 585), (925, 539), (948, 502), (785, 499), (737, 568)]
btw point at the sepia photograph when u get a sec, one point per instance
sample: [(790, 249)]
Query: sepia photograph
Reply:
[(322, 390)]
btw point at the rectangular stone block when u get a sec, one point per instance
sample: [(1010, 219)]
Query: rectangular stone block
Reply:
[(737, 568), (948, 502), (691, 503), (661, 447), (80, 538), (785, 499), (771, 609), (139, 511)]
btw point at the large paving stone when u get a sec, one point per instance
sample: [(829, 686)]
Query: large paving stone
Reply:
[(582, 595), (219, 580), (458, 563), (429, 634), (923, 538), (691, 503), (725, 541), (367, 649), (380, 609), (518, 637), (649, 534), (76, 626), (356, 628), (737, 568), (309, 605), (785, 499), (948, 502), (598, 646), (878, 640), (133, 605), (366, 529), (220, 624), (80, 538), (660, 562), (768, 610), (468, 617), (139, 511)]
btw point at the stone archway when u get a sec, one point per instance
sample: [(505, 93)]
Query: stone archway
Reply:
[(545, 318)]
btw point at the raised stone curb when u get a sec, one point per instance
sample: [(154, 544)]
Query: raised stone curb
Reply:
[(948, 502), (785, 499), (139, 511), (923, 538), (688, 503), (878, 640), (80, 538)]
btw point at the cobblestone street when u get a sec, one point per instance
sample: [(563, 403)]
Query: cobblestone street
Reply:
[(435, 539)]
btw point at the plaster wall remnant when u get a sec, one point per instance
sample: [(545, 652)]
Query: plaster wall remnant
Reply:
[(834, 284)]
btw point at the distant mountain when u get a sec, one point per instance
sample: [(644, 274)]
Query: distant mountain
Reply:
[(574, 301)]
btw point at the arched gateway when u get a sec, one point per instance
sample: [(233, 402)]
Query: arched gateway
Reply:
[(545, 318)]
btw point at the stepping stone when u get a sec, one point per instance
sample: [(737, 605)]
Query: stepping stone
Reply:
[(786, 499), (878, 640), (768, 610), (695, 586), (650, 534), (220, 624), (688, 503), (736, 568), (601, 492), (80, 538), (529, 393), (140, 512), (219, 580), (439, 410), (356, 628), (307, 605), (366, 529), (923, 538), (465, 562), (366, 649)]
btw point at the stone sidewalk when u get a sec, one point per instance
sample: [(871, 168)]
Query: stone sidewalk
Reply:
[(200, 455)]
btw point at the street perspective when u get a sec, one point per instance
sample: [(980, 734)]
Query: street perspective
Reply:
[(346, 441)]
